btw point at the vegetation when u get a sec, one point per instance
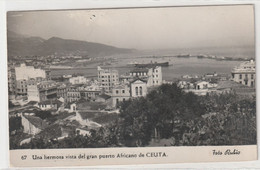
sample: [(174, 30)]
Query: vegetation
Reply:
[(14, 124), (169, 113)]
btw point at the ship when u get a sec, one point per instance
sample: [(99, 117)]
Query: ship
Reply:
[(163, 64), (184, 56)]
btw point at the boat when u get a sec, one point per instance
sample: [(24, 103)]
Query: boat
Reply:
[(163, 64), (184, 56)]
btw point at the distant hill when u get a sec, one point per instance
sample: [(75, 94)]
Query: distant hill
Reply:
[(22, 45)]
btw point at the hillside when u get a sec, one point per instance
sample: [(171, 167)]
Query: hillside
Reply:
[(20, 45)]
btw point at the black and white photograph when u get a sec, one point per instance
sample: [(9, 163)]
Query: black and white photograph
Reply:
[(132, 77)]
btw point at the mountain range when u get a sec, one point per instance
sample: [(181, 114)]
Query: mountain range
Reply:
[(22, 45)]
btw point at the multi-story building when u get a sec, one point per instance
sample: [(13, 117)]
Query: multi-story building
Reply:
[(42, 91), (120, 93), (21, 87), (62, 90), (11, 80), (90, 94), (244, 73), (107, 78), (73, 94), (152, 74), (27, 72)]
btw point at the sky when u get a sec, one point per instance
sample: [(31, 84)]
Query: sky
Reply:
[(143, 28)]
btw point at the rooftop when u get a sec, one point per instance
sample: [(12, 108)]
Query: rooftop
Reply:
[(104, 96), (36, 121), (139, 70), (143, 80)]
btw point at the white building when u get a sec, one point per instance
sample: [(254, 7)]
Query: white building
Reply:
[(107, 78), (27, 72), (78, 80), (138, 88), (244, 73), (24, 74), (152, 74)]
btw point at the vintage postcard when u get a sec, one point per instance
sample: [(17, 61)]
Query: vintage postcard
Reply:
[(131, 86)]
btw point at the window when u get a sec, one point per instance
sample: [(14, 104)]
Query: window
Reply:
[(245, 82), (252, 76), (123, 99), (116, 91), (156, 75), (252, 83), (117, 101), (141, 90), (240, 76), (136, 91), (123, 91)]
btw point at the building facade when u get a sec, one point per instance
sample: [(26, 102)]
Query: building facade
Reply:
[(42, 91), (153, 75), (21, 87), (11, 81), (120, 93), (138, 88), (107, 78), (73, 94), (245, 73), (24, 73)]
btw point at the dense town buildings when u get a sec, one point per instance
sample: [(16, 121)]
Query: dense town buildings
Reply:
[(76, 101)]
